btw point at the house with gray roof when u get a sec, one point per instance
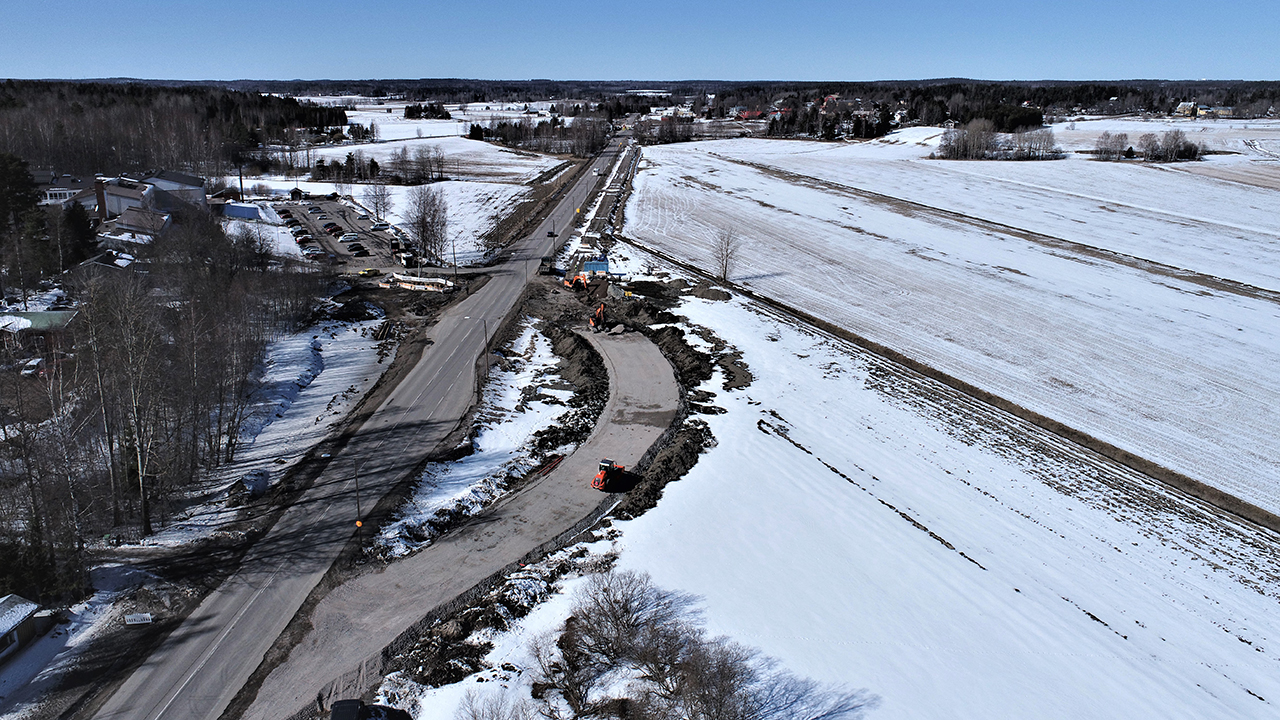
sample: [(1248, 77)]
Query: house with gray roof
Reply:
[(18, 624)]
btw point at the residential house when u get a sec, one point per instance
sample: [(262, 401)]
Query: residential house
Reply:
[(39, 333), (18, 624), (135, 226), (188, 188), (57, 189)]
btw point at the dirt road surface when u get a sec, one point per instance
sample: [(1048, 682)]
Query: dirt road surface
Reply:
[(359, 618)]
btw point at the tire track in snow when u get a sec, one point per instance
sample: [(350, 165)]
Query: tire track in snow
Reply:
[(912, 208)]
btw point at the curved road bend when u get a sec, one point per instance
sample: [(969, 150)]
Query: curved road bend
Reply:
[(203, 663), (356, 620)]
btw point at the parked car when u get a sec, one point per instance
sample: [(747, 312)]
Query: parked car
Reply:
[(314, 210), (370, 272), (361, 253), (350, 237), (381, 226), (355, 247), (34, 366)]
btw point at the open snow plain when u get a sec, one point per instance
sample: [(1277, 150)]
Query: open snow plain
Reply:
[(865, 525), (464, 159), (1133, 303), (870, 527)]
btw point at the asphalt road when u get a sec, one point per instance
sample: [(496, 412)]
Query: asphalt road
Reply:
[(201, 666), (356, 620)]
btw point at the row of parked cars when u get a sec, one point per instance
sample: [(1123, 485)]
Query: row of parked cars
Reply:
[(349, 239)]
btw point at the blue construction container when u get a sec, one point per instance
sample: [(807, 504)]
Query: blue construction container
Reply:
[(244, 211)]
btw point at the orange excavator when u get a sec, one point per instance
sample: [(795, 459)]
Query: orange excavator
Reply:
[(608, 471), (597, 319)]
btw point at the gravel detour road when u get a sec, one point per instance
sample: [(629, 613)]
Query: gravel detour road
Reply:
[(356, 620)]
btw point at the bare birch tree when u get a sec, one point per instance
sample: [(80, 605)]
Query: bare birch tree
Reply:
[(725, 253), (427, 221), (378, 198)]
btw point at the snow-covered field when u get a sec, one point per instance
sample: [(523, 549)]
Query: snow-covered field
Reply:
[(282, 242), (1028, 280), (393, 125), (518, 401), (464, 159), (872, 528)]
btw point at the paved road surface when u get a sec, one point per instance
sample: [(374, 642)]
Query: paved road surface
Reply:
[(358, 619), (200, 667)]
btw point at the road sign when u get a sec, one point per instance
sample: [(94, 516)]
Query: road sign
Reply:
[(138, 619)]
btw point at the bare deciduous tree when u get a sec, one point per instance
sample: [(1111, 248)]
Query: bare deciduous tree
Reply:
[(492, 706), (378, 198), (1111, 147), (427, 220), (725, 253), (622, 622)]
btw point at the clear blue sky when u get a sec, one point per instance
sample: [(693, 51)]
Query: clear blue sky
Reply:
[(642, 39)]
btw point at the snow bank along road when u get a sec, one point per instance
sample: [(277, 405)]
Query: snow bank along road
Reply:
[(201, 666), (360, 618)]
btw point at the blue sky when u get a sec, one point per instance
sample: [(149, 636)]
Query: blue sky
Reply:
[(639, 39)]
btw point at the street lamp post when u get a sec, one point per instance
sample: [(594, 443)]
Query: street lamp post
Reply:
[(359, 522), (453, 241)]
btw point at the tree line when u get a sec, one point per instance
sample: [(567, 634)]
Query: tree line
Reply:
[(980, 140), (1173, 145), (88, 128), (147, 388), (582, 137)]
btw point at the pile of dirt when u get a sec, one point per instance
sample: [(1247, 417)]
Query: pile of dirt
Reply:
[(707, 292), (676, 457), (582, 366)]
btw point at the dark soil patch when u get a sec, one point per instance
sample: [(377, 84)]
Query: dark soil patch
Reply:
[(669, 464)]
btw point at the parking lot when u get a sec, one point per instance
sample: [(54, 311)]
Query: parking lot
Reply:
[(340, 234)]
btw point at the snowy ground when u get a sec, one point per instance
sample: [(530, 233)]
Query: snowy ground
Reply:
[(309, 382), (869, 527), (519, 401), (39, 667), (475, 208), (1028, 280), (282, 242)]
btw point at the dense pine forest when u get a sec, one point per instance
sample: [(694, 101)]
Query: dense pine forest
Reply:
[(92, 127)]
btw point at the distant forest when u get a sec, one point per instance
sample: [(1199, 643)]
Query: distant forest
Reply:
[(101, 127), (929, 101), (113, 126)]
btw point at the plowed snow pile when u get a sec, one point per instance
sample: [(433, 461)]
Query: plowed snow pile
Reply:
[(1092, 293)]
